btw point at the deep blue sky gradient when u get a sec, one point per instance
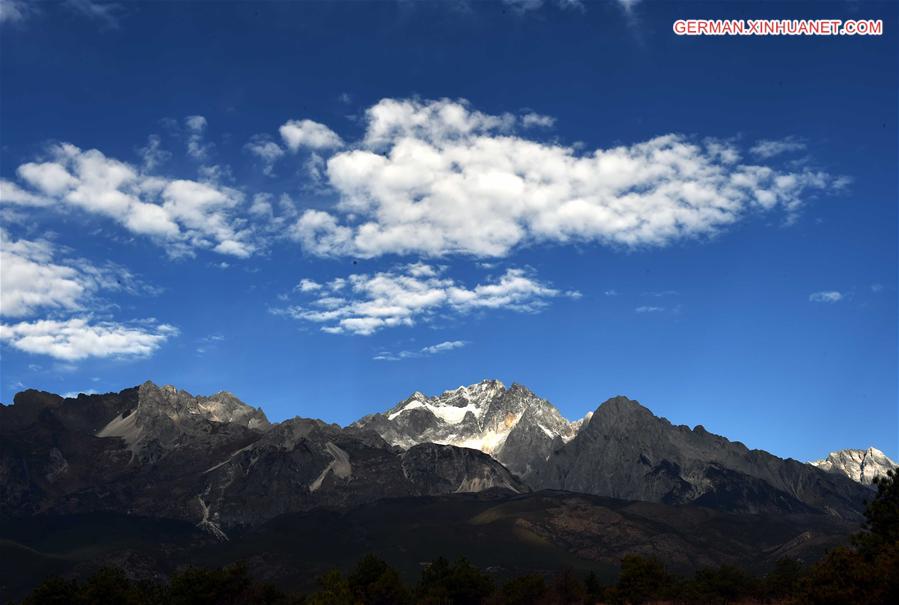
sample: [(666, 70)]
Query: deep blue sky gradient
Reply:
[(744, 352)]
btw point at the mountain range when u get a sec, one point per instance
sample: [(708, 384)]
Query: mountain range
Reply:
[(155, 460), (216, 461)]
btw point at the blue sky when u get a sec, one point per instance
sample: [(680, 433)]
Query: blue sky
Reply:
[(323, 207)]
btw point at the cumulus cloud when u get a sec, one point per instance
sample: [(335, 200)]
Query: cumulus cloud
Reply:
[(309, 134), (365, 303), (442, 347), (768, 148), (78, 338), (33, 278), (830, 296), (438, 177), (182, 214), (308, 285)]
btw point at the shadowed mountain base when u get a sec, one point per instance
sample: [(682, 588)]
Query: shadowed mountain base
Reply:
[(506, 534)]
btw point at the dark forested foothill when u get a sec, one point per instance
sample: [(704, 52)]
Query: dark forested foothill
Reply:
[(867, 573)]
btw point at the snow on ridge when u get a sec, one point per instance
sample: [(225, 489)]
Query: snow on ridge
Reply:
[(859, 465), (448, 413)]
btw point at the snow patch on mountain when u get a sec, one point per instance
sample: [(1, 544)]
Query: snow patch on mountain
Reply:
[(511, 424), (859, 465)]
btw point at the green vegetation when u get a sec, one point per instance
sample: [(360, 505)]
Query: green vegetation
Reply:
[(865, 574)]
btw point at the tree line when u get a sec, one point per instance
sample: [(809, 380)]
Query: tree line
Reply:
[(864, 573)]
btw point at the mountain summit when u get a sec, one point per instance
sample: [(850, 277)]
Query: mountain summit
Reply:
[(621, 450), (511, 424), (859, 465), (215, 461)]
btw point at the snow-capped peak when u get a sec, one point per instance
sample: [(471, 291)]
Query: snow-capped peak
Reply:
[(859, 465), (479, 416)]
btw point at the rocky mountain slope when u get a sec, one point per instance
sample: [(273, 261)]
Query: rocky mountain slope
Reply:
[(859, 465), (624, 451), (220, 464), (513, 425), (621, 450), (214, 461)]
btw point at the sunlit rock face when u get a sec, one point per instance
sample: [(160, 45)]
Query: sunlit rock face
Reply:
[(511, 424), (859, 465)]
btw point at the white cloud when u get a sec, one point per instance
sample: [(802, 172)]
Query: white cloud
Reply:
[(196, 147), (33, 278), (306, 133), (182, 214), (770, 148), (628, 5), (107, 13), (75, 394), (307, 285), (524, 6), (442, 347), (649, 309), (153, 155), (830, 296), (12, 194), (29, 280), (437, 177), (364, 304), (536, 120), (13, 11), (266, 150), (77, 338)]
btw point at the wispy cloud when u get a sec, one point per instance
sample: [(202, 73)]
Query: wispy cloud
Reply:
[(442, 347), (15, 11), (830, 296), (209, 343), (37, 277), (366, 303), (105, 13), (197, 147), (649, 309), (266, 151), (768, 148)]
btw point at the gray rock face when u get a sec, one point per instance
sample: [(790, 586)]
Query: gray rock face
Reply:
[(513, 425), (627, 452), (859, 465), (215, 461)]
